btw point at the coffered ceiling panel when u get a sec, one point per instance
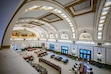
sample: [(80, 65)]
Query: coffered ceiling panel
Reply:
[(81, 7), (65, 2), (50, 17)]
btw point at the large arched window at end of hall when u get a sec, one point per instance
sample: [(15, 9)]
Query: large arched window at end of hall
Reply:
[(51, 36), (85, 37), (64, 36)]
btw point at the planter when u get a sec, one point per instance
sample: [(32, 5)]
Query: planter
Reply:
[(99, 65)]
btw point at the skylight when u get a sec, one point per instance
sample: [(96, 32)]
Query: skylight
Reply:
[(102, 17), (106, 8)]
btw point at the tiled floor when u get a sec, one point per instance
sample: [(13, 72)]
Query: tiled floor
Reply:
[(67, 67), (49, 68)]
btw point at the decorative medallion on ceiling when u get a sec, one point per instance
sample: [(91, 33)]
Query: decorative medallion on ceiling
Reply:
[(50, 18)]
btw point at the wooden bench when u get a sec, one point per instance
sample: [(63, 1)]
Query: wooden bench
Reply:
[(51, 64)]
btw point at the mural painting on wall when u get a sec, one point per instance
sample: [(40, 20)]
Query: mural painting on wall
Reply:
[(22, 34)]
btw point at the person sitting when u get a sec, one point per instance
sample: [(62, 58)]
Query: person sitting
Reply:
[(56, 57), (66, 61), (52, 56), (74, 66), (60, 58), (75, 69)]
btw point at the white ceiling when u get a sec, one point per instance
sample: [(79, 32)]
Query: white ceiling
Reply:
[(83, 22), (60, 25), (49, 30), (82, 5)]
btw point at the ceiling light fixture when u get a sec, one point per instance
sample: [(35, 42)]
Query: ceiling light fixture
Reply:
[(101, 21), (104, 12), (100, 28), (102, 17), (106, 8), (100, 24), (99, 33), (108, 3), (33, 7), (50, 8), (72, 30), (99, 37)]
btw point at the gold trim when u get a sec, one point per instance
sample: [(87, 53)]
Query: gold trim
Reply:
[(94, 5), (83, 13), (66, 4), (4, 47), (76, 3)]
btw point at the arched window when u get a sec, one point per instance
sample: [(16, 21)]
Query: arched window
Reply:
[(51, 36), (85, 37), (64, 36)]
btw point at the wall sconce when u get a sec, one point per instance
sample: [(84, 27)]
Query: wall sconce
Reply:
[(99, 54)]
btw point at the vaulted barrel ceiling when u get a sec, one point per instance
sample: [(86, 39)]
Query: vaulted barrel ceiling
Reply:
[(56, 17)]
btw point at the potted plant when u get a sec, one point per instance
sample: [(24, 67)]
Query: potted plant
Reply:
[(99, 62)]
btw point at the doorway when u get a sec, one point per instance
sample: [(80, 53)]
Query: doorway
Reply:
[(64, 49), (51, 46), (86, 54)]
